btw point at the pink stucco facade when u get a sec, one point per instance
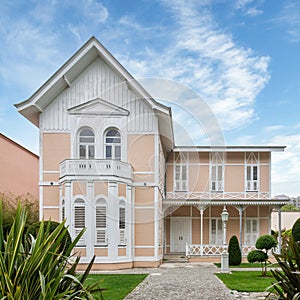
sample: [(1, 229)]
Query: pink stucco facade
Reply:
[(19, 169)]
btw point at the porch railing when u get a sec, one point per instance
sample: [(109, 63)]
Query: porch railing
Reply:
[(212, 250)]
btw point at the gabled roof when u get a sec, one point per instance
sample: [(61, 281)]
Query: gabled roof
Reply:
[(63, 78), (98, 107)]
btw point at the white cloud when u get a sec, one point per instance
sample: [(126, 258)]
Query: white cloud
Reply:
[(248, 7), (205, 57)]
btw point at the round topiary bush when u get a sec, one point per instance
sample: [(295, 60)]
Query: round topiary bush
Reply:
[(296, 230), (266, 242), (50, 226), (257, 256), (235, 255)]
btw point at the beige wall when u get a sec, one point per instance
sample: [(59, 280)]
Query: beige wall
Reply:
[(288, 218), (20, 169), (144, 227), (56, 148), (143, 145)]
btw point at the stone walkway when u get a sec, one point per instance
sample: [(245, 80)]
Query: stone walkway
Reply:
[(183, 281)]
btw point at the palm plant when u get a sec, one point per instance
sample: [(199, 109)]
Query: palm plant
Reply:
[(287, 285), (36, 268)]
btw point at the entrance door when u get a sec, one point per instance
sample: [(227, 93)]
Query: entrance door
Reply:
[(180, 234)]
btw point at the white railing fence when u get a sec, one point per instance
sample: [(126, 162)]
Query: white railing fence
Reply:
[(212, 250)]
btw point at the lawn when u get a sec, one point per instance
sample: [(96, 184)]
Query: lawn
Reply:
[(118, 285), (249, 265), (246, 281)]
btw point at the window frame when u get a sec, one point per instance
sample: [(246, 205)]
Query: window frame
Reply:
[(80, 203), (217, 172), (101, 203), (113, 145), (251, 184), (86, 145)]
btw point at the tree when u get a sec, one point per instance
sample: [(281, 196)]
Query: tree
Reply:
[(259, 256), (264, 243), (296, 230), (235, 255)]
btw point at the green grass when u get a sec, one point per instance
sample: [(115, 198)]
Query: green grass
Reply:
[(249, 265), (246, 281), (118, 285)]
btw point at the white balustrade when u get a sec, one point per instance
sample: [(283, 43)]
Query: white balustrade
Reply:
[(212, 250), (95, 167)]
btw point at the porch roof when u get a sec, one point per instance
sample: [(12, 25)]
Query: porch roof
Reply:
[(222, 202)]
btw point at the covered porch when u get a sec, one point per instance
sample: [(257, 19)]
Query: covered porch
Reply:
[(194, 227)]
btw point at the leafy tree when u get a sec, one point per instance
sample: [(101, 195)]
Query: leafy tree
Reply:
[(290, 207), (264, 243), (296, 230), (235, 255), (35, 268), (259, 256)]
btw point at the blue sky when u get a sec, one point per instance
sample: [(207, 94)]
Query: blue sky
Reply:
[(242, 57)]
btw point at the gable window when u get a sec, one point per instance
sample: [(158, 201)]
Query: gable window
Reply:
[(122, 223), (79, 219), (86, 144), (101, 222), (216, 172), (113, 144)]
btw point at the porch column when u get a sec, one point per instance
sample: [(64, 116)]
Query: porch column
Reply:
[(241, 226), (201, 225), (279, 229)]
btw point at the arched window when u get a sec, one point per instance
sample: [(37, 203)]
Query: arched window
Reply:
[(100, 222), (79, 219), (113, 144), (86, 144), (122, 219)]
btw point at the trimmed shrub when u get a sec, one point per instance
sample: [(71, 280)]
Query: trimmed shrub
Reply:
[(50, 227), (235, 255), (266, 242), (259, 256), (296, 230)]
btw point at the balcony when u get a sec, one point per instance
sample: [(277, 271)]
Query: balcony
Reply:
[(94, 168)]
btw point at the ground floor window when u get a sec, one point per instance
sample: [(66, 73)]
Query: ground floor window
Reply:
[(251, 231), (216, 237)]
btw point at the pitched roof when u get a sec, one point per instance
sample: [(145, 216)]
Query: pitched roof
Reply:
[(63, 78)]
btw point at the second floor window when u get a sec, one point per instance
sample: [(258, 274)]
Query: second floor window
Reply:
[(252, 178), (113, 144), (180, 177), (217, 172), (86, 144)]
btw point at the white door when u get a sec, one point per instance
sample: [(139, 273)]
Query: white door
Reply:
[(180, 234)]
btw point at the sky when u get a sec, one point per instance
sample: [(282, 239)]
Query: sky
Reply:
[(240, 57)]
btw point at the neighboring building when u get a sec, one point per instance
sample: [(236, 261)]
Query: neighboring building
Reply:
[(288, 218), (295, 201), (108, 163), (20, 169)]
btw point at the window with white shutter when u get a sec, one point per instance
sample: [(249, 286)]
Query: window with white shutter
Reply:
[(80, 219), (122, 224), (251, 178), (100, 238), (181, 182), (217, 172), (251, 231)]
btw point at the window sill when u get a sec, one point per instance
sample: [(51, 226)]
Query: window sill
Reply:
[(101, 246)]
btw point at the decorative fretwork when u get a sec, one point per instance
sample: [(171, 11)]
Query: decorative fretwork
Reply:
[(212, 250), (216, 195)]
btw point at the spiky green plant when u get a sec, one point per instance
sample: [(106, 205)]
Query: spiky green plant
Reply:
[(287, 285), (35, 268)]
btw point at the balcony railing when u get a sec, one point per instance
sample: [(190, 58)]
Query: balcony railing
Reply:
[(95, 167)]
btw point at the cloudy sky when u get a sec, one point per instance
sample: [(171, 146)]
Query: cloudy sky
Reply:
[(241, 58)]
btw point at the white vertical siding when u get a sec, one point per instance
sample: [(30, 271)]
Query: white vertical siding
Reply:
[(98, 81)]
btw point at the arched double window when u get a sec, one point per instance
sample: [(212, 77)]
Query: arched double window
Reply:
[(79, 219), (100, 238), (86, 144), (113, 144)]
